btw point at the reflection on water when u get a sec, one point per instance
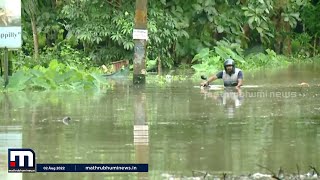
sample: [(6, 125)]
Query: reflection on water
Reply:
[(177, 129), (10, 137), (229, 98)]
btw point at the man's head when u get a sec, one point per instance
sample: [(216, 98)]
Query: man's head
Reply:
[(229, 66)]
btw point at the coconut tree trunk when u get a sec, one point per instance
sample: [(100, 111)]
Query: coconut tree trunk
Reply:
[(35, 37), (31, 8)]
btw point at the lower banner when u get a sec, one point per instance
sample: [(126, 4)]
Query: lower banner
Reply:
[(92, 168), (23, 160)]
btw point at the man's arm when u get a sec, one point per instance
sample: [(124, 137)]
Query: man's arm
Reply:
[(240, 79), (212, 78)]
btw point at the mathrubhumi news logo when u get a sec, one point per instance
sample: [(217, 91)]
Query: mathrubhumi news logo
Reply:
[(21, 160)]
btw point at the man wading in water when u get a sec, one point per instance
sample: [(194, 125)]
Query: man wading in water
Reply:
[(231, 76)]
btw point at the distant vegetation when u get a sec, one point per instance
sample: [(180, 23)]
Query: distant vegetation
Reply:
[(80, 36)]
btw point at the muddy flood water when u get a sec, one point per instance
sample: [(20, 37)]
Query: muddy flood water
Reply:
[(178, 129)]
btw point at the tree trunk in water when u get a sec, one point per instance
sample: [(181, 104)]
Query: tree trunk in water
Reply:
[(140, 44), (35, 38)]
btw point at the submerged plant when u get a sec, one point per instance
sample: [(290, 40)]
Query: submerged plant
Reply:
[(56, 76)]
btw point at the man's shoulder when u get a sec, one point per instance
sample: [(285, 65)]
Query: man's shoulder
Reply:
[(238, 71), (219, 74), (240, 74)]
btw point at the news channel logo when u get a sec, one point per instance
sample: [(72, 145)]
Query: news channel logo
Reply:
[(21, 161)]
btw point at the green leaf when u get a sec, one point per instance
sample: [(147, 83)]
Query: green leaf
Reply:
[(99, 80), (221, 52), (259, 29), (39, 82), (250, 21), (128, 45), (199, 67), (270, 35), (203, 53), (207, 2), (220, 29), (18, 81), (179, 9), (296, 15), (197, 7)]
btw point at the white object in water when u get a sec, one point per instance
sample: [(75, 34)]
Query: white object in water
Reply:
[(221, 87)]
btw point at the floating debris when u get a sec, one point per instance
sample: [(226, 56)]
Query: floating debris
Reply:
[(66, 120), (304, 84)]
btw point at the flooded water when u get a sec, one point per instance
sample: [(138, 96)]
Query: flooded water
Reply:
[(176, 128)]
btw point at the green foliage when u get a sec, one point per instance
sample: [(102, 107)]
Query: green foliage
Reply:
[(226, 50), (30, 7), (212, 60), (310, 16), (18, 81), (61, 52), (50, 32), (207, 22), (91, 33), (107, 34), (57, 76), (104, 30), (67, 55), (164, 32), (291, 12), (257, 15), (262, 60), (151, 63), (229, 23), (209, 62), (301, 45), (206, 10)]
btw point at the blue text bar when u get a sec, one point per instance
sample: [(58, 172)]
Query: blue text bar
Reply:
[(92, 168)]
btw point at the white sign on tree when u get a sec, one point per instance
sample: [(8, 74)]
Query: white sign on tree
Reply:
[(140, 34), (10, 24)]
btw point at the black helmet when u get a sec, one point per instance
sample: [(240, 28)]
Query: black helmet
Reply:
[(229, 62)]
